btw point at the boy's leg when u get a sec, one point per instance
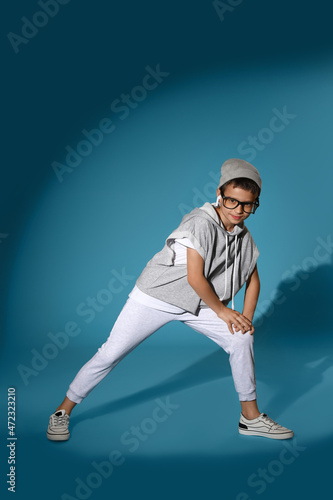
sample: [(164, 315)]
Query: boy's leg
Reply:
[(135, 323), (67, 405), (250, 409), (239, 346)]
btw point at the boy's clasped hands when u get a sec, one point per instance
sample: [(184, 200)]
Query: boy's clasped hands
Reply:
[(235, 320)]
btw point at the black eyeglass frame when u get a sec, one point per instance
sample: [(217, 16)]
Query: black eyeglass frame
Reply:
[(253, 211)]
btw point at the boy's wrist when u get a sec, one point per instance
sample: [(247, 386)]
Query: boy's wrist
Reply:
[(248, 314), (222, 307)]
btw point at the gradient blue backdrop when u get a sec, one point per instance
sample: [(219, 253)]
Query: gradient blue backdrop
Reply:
[(61, 242)]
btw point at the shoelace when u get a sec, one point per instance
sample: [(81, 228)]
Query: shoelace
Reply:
[(58, 421), (268, 420)]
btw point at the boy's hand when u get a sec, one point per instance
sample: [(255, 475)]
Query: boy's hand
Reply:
[(237, 319), (195, 277), (252, 330)]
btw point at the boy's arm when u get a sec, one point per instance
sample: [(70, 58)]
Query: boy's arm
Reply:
[(197, 280), (251, 295)]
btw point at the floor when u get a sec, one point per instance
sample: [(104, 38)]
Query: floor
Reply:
[(164, 424)]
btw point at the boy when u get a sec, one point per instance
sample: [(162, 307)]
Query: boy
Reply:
[(203, 264)]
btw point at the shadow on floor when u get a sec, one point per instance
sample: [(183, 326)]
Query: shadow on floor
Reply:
[(292, 349)]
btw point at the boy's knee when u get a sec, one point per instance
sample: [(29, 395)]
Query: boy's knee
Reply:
[(247, 338), (243, 340)]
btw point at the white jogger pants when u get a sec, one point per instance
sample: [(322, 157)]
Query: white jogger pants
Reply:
[(136, 322)]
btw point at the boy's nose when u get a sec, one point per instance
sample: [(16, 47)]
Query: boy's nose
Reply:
[(239, 209)]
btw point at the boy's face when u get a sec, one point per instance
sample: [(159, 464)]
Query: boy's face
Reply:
[(230, 218)]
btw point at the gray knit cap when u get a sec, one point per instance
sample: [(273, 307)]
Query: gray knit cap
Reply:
[(235, 168)]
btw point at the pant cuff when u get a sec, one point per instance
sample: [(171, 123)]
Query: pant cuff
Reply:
[(247, 397), (74, 397)]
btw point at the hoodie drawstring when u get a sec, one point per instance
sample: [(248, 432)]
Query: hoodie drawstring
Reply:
[(226, 268), (233, 273)]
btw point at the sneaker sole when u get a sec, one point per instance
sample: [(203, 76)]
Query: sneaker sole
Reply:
[(286, 435), (58, 437)]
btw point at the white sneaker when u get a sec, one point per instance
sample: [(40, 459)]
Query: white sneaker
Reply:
[(263, 426), (58, 426)]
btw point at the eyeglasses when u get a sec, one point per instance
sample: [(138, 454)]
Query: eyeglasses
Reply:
[(231, 203)]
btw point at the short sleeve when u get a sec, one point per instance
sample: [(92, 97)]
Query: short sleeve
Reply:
[(186, 242), (199, 233)]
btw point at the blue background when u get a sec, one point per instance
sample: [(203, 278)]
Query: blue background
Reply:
[(61, 242)]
